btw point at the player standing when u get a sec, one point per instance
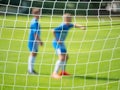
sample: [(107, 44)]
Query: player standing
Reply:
[(60, 34), (34, 40)]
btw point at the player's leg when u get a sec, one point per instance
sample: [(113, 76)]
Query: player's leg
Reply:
[(57, 66), (63, 58), (56, 69), (58, 62), (31, 62), (32, 57)]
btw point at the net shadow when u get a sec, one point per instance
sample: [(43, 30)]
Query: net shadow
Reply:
[(97, 78)]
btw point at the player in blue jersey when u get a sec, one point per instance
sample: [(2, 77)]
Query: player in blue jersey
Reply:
[(34, 40), (60, 34)]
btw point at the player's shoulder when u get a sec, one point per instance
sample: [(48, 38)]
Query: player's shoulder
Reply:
[(65, 25), (71, 24), (34, 21), (62, 25), (58, 27)]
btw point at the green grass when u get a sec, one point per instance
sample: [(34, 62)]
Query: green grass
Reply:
[(94, 55)]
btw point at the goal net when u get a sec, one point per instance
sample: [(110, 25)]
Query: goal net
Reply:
[(94, 53)]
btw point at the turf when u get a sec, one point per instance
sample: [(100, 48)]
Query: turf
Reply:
[(94, 54)]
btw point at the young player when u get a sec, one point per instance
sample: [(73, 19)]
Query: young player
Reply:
[(60, 34), (34, 40)]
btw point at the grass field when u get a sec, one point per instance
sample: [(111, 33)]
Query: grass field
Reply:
[(94, 55)]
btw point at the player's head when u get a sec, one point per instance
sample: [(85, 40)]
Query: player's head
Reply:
[(67, 18), (36, 12)]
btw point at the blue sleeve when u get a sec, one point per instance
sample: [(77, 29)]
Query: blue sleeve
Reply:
[(71, 25), (63, 27), (58, 28)]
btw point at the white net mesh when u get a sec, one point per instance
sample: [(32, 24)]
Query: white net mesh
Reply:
[(93, 54)]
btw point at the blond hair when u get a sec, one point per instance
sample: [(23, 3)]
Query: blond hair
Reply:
[(67, 15), (35, 11)]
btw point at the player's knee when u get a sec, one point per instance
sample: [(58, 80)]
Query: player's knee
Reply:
[(34, 54), (67, 57), (61, 58), (64, 58)]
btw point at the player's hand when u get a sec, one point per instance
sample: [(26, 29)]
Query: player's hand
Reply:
[(83, 27), (41, 43), (59, 42), (80, 26)]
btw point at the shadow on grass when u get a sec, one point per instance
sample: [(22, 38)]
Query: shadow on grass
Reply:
[(98, 78), (85, 77)]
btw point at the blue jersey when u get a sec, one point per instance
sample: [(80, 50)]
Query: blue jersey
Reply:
[(34, 29), (61, 34), (62, 31)]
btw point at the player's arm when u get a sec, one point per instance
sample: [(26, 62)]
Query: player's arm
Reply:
[(38, 39), (54, 34), (79, 26)]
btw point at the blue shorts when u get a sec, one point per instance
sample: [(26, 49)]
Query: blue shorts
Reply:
[(33, 47), (60, 48)]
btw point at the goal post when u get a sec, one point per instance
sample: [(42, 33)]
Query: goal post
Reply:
[(93, 53)]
